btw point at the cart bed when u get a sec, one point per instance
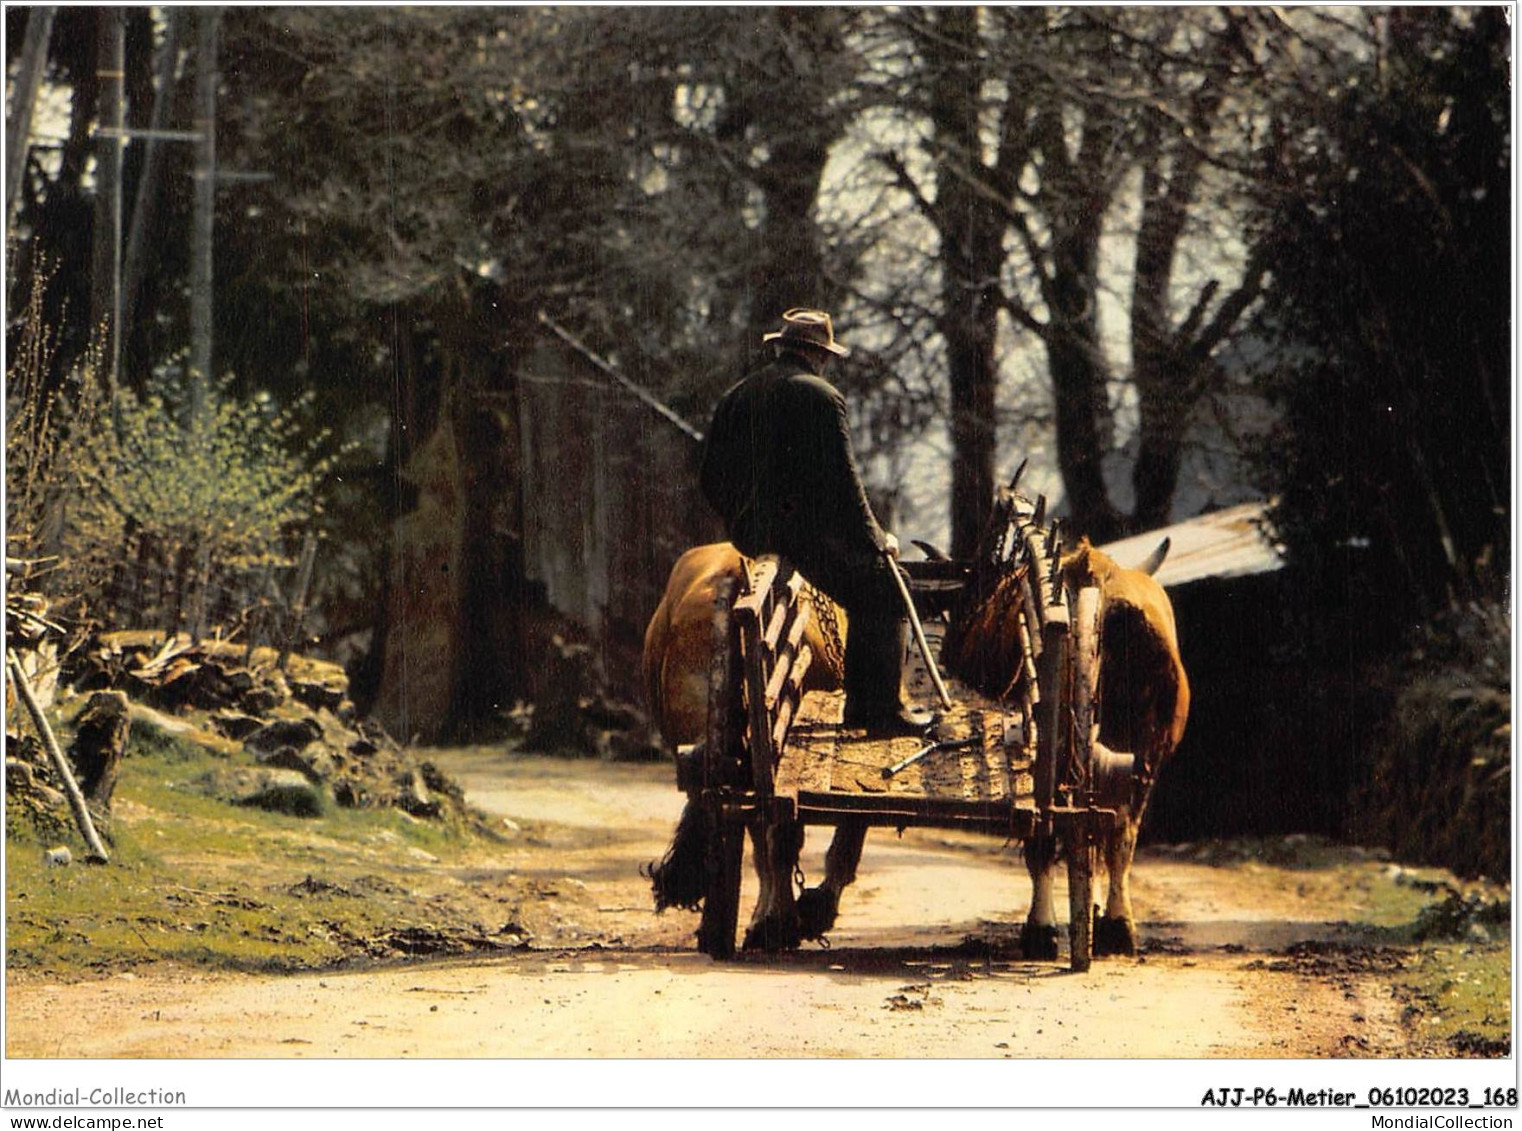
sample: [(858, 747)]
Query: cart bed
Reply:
[(833, 772)]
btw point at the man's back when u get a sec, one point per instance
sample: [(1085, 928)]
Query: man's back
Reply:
[(778, 467)]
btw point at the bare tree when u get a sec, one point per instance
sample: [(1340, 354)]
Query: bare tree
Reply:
[(1042, 123)]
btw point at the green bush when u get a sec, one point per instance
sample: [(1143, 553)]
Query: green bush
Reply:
[(1438, 789), (230, 485), (142, 515)]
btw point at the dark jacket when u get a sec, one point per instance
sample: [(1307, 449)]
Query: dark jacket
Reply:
[(779, 469)]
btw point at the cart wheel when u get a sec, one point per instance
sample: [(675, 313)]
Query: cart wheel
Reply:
[(721, 891), (1080, 846)]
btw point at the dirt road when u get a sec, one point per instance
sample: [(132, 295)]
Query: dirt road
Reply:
[(608, 978)]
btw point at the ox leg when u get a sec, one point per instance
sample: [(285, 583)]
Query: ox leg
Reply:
[(1038, 940), (1115, 930), (774, 925), (818, 906)]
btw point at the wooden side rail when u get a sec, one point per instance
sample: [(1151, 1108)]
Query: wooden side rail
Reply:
[(1046, 640), (771, 620), (719, 740)]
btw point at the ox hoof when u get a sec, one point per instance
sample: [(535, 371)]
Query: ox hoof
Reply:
[(817, 909), (772, 934), (1113, 936), (1038, 944)]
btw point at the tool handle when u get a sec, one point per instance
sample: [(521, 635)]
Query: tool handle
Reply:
[(919, 632), (924, 752)]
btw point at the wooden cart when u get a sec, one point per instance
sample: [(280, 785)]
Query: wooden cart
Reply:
[(1024, 765)]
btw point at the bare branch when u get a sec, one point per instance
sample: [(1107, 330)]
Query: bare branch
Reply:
[(895, 165), (1196, 313), (1018, 311)]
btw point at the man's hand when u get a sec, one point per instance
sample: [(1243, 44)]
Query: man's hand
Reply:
[(891, 546)]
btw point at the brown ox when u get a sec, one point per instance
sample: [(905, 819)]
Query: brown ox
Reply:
[(1143, 706), (678, 646)]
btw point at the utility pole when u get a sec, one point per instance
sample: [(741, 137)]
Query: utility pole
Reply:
[(106, 276), (207, 20), (206, 175), (18, 127), (148, 182)]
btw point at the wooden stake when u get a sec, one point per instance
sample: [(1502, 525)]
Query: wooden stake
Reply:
[(97, 851)]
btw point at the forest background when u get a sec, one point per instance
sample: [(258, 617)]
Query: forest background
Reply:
[(317, 318)]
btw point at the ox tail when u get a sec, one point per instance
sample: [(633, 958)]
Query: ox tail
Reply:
[(678, 878)]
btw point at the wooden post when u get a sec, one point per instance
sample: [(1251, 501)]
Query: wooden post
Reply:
[(720, 734), (1080, 853), (1086, 704), (96, 851), (725, 837)]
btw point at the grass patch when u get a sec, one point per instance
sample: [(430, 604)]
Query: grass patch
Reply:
[(195, 880), (1444, 946), (1458, 997)]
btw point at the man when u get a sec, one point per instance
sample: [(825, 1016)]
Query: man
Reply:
[(779, 469)]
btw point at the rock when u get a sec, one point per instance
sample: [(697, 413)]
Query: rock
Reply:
[(238, 681), (414, 797), (261, 700), (363, 747), (293, 733), (183, 684), (235, 724), (283, 791), (23, 780), (435, 779), (59, 857), (314, 763), (318, 694)]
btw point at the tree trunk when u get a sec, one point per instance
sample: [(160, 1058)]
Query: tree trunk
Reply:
[(1158, 459), (100, 741), (96, 850), (971, 230), (790, 265), (1078, 392), (790, 270), (1079, 373), (973, 377)]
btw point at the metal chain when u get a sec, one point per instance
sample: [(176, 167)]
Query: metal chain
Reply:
[(829, 623)]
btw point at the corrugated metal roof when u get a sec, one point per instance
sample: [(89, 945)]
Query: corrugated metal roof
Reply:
[(1224, 543)]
